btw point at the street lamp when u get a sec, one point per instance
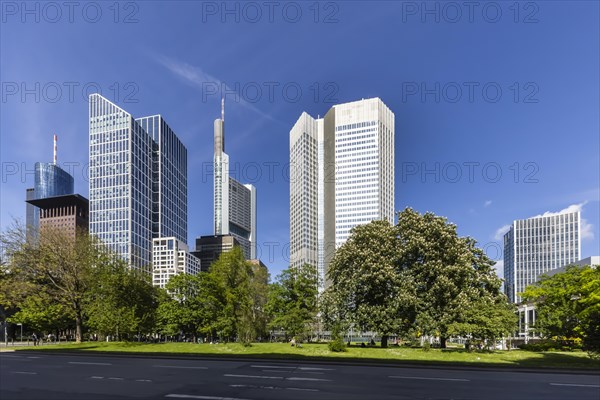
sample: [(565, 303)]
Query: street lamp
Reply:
[(21, 325)]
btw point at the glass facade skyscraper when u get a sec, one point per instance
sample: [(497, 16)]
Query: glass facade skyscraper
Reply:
[(49, 180), (138, 181), (537, 245), (341, 176), (234, 203)]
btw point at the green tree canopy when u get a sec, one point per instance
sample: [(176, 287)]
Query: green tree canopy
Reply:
[(292, 301)]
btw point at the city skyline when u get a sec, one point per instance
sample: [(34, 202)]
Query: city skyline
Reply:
[(482, 163)]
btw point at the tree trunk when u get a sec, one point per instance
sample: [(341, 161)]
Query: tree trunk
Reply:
[(384, 341), (78, 327), (443, 342)]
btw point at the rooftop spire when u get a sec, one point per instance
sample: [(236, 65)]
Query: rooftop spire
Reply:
[(55, 140), (222, 108)]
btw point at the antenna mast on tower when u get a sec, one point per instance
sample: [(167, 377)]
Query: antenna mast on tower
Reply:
[(55, 140)]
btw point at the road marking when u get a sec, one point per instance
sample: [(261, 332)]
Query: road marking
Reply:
[(25, 373), (116, 379), (143, 380), (298, 378), (253, 376), (431, 379), (574, 384), (192, 396), (178, 366), (271, 366), (274, 387), (316, 369), (33, 357), (96, 377), (277, 371), (87, 363)]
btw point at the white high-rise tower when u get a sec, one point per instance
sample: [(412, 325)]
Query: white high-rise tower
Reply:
[(341, 176), (234, 203)]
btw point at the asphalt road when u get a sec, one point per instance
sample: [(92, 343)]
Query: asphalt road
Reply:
[(46, 376)]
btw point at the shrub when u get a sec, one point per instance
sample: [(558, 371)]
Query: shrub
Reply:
[(337, 345), (426, 346)]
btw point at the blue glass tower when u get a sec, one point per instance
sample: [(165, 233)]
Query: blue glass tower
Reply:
[(49, 180)]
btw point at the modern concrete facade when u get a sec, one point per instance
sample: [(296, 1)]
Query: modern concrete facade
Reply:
[(209, 248), (138, 182), (171, 257), (341, 176), (68, 213), (234, 202), (537, 245)]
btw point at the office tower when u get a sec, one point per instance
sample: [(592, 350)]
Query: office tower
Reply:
[(68, 213), (341, 176), (138, 181), (537, 245), (49, 180), (171, 257), (209, 248), (234, 203)]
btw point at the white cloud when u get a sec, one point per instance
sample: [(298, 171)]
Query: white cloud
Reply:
[(570, 209), (487, 203), (499, 235), (200, 78), (499, 267)]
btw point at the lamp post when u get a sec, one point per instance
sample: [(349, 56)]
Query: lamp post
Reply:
[(21, 325)]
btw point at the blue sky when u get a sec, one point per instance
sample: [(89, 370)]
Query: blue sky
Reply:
[(497, 107)]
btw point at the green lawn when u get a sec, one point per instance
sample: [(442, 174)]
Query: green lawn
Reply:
[(519, 358)]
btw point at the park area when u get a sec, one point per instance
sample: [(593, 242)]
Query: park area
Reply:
[(355, 354)]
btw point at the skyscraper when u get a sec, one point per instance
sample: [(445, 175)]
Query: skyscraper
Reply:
[(171, 257), (537, 245), (49, 180), (138, 181), (234, 203), (341, 176)]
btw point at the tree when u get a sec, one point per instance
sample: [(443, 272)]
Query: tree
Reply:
[(121, 301), (292, 301), (188, 305), (57, 262), (449, 272), (237, 286), (568, 305), (367, 289)]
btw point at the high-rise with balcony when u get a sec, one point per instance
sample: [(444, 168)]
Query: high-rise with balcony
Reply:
[(538, 245), (341, 176), (234, 202), (138, 181)]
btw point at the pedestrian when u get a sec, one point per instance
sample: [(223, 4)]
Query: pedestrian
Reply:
[(34, 339)]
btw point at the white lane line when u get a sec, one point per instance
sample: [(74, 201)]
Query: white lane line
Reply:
[(96, 377), (87, 363), (33, 357), (116, 379), (430, 379), (143, 380), (299, 378), (274, 387), (316, 369), (192, 396), (271, 367), (253, 376), (25, 373), (178, 367), (303, 389), (575, 385)]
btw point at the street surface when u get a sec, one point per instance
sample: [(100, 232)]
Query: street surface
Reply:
[(46, 376)]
